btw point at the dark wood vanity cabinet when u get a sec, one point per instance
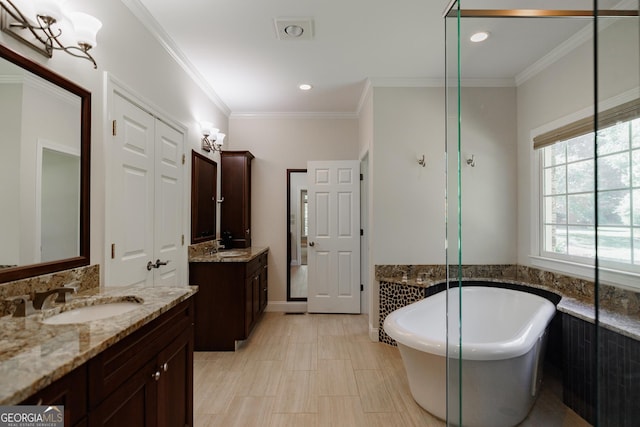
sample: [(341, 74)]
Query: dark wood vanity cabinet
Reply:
[(70, 391), (231, 298), (146, 379), (235, 177)]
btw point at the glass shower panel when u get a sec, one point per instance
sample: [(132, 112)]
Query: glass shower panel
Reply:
[(501, 189), (617, 198), (453, 397)]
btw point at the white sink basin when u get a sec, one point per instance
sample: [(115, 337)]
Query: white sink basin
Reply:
[(227, 254), (91, 312)]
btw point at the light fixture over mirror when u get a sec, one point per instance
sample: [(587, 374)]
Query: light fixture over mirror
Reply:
[(46, 25), (212, 139)]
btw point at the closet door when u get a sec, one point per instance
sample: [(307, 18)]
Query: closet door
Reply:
[(168, 204), (132, 187), (145, 214)]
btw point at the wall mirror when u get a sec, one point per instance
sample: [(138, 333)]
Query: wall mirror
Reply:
[(204, 174), (297, 223), (45, 145)]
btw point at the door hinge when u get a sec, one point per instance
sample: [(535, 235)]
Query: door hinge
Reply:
[(113, 250), (113, 128), (184, 158), (361, 232), (361, 177), (361, 287), (183, 240)]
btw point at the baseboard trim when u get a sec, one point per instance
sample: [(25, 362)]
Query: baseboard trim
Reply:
[(287, 306), (374, 334)]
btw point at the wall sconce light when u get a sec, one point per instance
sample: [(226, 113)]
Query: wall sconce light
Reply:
[(38, 24), (212, 140)]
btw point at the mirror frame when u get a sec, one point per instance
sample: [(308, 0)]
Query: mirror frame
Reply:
[(195, 191), (83, 259), (289, 172)]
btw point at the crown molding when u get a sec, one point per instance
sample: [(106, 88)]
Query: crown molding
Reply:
[(405, 82), (572, 43), (150, 23), (295, 115), (368, 87)]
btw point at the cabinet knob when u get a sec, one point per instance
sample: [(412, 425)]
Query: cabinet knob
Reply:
[(312, 244), (156, 376), (247, 231), (165, 367)]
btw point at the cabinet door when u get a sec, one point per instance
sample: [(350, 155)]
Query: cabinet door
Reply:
[(175, 387), (236, 190), (264, 285), (248, 313), (134, 404), (70, 391), (256, 295)]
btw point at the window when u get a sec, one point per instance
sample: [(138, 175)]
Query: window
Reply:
[(568, 197)]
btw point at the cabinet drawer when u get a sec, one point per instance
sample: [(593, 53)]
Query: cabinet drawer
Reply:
[(253, 266), (111, 368)]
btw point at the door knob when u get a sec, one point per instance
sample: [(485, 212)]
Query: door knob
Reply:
[(159, 263), (312, 244)]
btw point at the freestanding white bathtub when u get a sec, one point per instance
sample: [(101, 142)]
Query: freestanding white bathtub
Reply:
[(503, 342)]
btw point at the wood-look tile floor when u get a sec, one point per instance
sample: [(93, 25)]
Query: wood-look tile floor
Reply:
[(322, 370)]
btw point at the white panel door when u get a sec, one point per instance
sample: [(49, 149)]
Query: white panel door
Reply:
[(168, 204), (145, 186), (334, 236), (132, 195)]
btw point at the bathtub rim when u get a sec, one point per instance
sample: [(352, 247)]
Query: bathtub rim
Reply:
[(494, 350)]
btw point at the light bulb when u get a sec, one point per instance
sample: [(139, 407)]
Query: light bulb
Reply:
[(86, 28)]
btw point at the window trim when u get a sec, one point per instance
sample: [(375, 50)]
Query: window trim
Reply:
[(566, 264)]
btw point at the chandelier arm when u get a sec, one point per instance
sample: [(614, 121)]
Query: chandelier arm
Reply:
[(84, 54), (23, 22)]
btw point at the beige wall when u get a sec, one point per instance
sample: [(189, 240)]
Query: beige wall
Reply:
[(127, 51), (408, 199), (564, 92), (279, 144)]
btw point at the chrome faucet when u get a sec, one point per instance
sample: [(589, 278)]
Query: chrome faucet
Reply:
[(214, 248)]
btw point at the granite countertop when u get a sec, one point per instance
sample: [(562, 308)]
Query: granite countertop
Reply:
[(230, 255), (33, 354), (628, 326)]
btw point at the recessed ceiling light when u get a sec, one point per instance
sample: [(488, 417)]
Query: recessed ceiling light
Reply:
[(293, 30), (305, 86), (479, 36)]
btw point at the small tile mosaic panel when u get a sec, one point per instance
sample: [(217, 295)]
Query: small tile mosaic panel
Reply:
[(392, 297)]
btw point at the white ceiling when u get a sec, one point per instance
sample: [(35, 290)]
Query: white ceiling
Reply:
[(233, 46)]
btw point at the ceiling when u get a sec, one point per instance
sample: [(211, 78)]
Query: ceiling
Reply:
[(233, 46)]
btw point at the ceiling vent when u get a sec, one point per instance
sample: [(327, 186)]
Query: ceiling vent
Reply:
[(294, 28)]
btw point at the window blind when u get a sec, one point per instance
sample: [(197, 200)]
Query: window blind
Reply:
[(621, 113)]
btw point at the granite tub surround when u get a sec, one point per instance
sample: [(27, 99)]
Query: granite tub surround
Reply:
[(619, 309), (84, 278), (34, 354), (202, 254)]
